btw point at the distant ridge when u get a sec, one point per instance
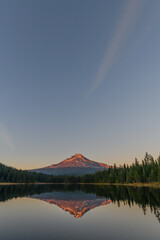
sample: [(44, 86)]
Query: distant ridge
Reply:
[(77, 165)]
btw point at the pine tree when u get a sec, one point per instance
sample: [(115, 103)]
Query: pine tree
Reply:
[(159, 175)]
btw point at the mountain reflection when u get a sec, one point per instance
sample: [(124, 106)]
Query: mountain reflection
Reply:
[(78, 199), (77, 203)]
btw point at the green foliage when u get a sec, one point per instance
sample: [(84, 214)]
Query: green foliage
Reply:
[(9, 174), (159, 175), (147, 171)]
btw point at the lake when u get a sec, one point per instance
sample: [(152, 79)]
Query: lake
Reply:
[(79, 212)]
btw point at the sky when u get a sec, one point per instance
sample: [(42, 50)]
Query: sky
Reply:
[(79, 76)]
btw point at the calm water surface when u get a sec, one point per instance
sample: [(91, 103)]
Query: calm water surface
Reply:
[(79, 212)]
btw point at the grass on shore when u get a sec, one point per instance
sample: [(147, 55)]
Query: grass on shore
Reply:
[(153, 185)]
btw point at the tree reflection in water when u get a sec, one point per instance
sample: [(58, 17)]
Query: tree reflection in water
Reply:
[(82, 198)]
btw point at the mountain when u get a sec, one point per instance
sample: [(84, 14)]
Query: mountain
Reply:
[(77, 165), (76, 203)]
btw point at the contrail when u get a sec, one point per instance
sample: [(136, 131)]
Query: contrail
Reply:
[(5, 137), (125, 23)]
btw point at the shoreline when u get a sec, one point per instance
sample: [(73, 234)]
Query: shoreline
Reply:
[(152, 185)]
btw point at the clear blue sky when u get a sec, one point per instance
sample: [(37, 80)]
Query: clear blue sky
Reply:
[(79, 76)]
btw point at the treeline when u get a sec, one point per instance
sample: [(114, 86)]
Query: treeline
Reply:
[(145, 172), (10, 174)]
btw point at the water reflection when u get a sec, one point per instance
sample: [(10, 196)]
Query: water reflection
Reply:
[(79, 199), (77, 203)]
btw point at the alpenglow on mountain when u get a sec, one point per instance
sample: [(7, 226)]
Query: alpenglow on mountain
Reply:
[(77, 165)]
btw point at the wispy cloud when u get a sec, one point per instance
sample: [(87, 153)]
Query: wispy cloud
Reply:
[(5, 138), (123, 26)]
